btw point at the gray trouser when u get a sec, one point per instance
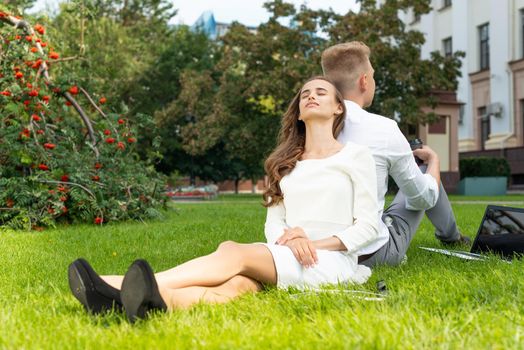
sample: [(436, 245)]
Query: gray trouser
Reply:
[(402, 224)]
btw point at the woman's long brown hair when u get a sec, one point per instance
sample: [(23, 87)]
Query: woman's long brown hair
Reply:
[(291, 142)]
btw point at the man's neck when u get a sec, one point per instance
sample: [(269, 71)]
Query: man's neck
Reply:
[(359, 100)]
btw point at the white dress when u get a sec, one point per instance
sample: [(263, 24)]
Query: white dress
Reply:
[(333, 196)]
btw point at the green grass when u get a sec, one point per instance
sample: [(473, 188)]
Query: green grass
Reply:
[(434, 301)]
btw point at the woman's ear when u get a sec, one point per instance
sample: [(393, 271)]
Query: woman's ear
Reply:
[(339, 109)]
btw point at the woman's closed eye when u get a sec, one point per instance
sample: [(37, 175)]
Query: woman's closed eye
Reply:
[(321, 91)]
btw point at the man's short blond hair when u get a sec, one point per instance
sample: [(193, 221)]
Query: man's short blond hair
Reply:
[(344, 63)]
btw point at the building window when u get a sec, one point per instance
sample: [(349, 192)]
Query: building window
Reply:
[(439, 127), (446, 3), (485, 126), (522, 32), (447, 47), (484, 46)]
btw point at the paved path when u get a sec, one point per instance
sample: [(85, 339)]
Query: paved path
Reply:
[(512, 203)]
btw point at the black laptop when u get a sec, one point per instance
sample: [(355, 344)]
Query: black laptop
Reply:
[(501, 232)]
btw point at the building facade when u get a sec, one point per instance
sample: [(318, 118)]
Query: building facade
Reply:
[(491, 33), (213, 29)]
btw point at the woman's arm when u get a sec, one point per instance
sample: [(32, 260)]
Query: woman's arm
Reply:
[(275, 222), (330, 243)]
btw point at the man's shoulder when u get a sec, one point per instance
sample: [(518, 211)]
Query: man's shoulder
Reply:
[(381, 127), (379, 120)]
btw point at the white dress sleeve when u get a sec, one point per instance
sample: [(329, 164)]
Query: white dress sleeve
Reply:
[(365, 227), (275, 222)]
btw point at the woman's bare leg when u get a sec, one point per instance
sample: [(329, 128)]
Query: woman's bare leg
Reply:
[(185, 297), (230, 259), (114, 281)]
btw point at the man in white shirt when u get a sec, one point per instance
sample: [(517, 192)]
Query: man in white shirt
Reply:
[(349, 67)]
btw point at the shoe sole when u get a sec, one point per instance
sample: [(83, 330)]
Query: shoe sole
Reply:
[(84, 291), (77, 285), (135, 292), (116, 305)]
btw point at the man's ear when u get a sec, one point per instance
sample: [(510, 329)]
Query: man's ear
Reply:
[(363, 82)]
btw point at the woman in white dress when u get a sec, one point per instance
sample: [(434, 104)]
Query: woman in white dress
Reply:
[(322, 206)]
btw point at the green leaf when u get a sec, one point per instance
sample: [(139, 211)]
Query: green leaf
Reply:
[(26, 159), (13, 108)]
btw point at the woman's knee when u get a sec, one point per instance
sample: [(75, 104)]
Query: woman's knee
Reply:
[(236, 251), (228, 246), (232, 250)]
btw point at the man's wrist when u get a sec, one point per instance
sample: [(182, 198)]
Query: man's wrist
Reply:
[(433, 159)]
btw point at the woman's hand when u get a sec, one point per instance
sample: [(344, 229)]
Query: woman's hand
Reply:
[(291, 233), (304, 251)]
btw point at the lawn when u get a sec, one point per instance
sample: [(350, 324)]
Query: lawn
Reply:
[(434, 301)]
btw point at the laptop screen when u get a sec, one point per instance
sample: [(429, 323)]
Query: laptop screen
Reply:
[(501, 232)]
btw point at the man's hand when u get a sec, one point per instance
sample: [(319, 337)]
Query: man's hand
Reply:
[(429, 157), (425, 154), (304, 251), (291, 233)]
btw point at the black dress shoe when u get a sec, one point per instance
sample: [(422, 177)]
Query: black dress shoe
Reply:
[(463, 241), (140, 291), (91, 290)]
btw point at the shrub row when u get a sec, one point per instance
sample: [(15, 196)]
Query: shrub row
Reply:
[(484, 167)]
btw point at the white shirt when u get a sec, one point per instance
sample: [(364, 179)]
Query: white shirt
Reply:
[(333, 196), (393, 156)]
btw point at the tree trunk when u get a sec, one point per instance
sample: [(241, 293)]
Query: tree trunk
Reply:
[(237, 181)]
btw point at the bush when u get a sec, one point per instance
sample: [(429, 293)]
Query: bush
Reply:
[(59, 161), (484, 167)]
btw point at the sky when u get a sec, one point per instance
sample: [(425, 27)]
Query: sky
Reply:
[(247, 12)]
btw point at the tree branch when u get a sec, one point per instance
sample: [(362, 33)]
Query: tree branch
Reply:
[(97, 108), (86, 120), (68, 183), (65, 59), (93, 102)]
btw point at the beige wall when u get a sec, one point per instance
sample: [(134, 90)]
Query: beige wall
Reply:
[(441, 143), (446, 145)]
